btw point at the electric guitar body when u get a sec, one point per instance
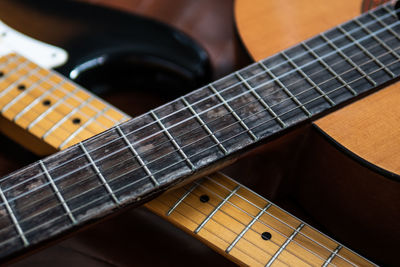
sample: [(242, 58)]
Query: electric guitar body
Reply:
[(351, 157)]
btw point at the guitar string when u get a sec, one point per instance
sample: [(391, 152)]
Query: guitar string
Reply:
[(333, 52), (113, 153), (55, 97), (100, 197)]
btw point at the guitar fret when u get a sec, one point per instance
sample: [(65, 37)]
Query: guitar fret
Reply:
[(334, 253), (179, 201), (247, 227), (102, 179), (83, 126), (138, 157), (24, 93), (294, 98), (66, 117), (349, 60), (37, 100), (379, 40), (314, 85), (204, 125), (234, 114), (357, 43), (166, 132), (12, 85), (333, 72), (57, 191), (197, 230), (14, 219), (298, 229)]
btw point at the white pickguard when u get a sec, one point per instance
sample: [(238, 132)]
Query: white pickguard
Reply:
[(43, 54)]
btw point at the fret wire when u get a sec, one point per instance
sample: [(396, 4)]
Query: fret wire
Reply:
[(212, 145), (379, 40), (204, 125), (24, 93), (58, 193), (83, 126), (287, 91), (298, 229), (137, 156), (10, 58), (66, 117), (216, 209), (274, 217), (14, 219), (232, 112), (333, 72), (179, 201), (359, 45), (348, 59), (37, 100), (384, 24), (314, 85), (99, 174), (13, 84), (244, 231), (166, 132), (260, 99), (333, 254)]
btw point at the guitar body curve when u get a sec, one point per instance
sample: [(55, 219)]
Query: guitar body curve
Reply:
[(350, 160), (124, 50)]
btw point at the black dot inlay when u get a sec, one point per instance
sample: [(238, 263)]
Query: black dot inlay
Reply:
[(1, 74), (266, 236), (204, 198), (46, 102), (76, 121), (21, 87)]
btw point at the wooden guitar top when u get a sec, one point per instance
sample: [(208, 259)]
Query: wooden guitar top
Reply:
[(368, 128)]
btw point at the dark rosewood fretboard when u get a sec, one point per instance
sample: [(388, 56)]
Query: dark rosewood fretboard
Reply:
[(198, 131)]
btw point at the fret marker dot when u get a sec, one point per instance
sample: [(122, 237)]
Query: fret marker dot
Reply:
[(46, 102), (266, 236), (1, 74), (204, 198), (76, 121), (21, 87)]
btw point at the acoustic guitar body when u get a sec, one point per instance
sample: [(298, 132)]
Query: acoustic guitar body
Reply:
[(347, 174)]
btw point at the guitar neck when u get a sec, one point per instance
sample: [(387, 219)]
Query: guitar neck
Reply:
[(190, 136)]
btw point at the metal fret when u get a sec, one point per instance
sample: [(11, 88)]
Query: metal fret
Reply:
[(387, 27), (66, 117), (293, 97), (349, 60), (25, 92), (247, 228), (14, 219), (83, 126), (271, 261), (216, 209), (234, 114), (138, 157), (262, 102), (179, 201), (57, 191), (314, 85), (186, 158), (12, 85), (334, 73), (379, 40), (103, 180), (37, 100), (333, 254), (359, 45), (204, 125)]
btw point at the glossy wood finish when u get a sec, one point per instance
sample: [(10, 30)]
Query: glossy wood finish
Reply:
[(359, 127)]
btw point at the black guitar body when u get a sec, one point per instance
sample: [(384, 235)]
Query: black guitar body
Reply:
[(111, 50)]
